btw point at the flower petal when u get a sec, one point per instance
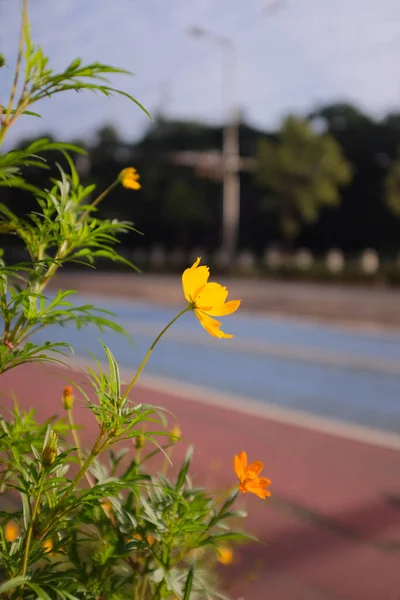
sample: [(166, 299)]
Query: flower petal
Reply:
[(213, 294), (131, 184), (224, 309), (212, 326), (256, 489), (255, 468), (263, 482), (240, 465), (194, 279)]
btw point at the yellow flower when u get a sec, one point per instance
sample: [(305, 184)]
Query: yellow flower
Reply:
[(48, 546), (130, 178), (225, 556), (175, 433), (50, 451), (249, 481), (11, 531), (68, 398), (207, 299)]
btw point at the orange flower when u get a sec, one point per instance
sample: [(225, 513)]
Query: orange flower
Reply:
[(248, 476), (129, 178), (11, 531)]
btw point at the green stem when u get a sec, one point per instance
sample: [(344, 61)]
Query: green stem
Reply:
[(6, 120), (78, 445), (150, 350), (30, 528), (97, 448), (224, 497), (99, 199)]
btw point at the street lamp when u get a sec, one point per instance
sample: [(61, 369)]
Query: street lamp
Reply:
[(230, 150)]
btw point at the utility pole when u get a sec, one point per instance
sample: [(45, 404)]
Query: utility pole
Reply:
[(230, 151)]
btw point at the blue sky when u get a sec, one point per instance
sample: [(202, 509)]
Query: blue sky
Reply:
[(293, 56)]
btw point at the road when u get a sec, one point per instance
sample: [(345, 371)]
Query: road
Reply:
[(330, 372)]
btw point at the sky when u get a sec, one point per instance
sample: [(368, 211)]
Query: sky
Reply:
[(292, 55)]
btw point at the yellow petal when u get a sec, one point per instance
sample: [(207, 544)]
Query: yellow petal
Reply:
[(131, 184), (240, 465), (224, 309), (194, 280), (212, 326), (213, 294)]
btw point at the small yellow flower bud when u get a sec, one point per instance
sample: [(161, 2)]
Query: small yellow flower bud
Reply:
[(175, 433), (50, 451), (150, 539), (11, 531), (225, 556), (140, 441), (107, 507), (129, 178), (68, 398)]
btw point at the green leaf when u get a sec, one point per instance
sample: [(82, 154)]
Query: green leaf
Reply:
[(184, 470), (13, 583), (189, 582)]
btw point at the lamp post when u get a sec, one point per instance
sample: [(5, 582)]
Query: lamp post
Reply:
[(230, 150)]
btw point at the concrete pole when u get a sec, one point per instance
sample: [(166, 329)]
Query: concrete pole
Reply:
[(230, 150), (231, 158)]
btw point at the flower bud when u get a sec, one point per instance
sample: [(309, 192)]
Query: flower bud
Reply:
[(50, 451), (175, 433), (140, 441), (11, 531), (225, 556), (68, 398), (129, 178), (48, 546)]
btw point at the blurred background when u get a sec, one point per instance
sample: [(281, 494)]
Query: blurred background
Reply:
[(274, 154)]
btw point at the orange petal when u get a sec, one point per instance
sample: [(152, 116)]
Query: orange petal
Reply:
[(194, 279), (255, 468), (212, 326), (263, 482), (256, 489), (240, 465)]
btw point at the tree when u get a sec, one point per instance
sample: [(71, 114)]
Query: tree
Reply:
[(301, 172), (392, 187), (185, 206)]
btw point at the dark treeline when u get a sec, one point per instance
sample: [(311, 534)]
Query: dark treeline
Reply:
[(180, 206)]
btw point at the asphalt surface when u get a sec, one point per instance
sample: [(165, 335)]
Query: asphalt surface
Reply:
[(347, 375)]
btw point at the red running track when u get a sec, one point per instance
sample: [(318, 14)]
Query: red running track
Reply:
[(332, 528)]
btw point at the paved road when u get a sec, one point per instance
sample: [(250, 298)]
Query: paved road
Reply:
[(318, 369)]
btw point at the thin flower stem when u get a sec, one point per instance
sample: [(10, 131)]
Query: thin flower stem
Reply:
[(30, 528), (166, 462), (78, 445), (224, 497), (98, 447), (98, 199), (6, 119), (150, 350)]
